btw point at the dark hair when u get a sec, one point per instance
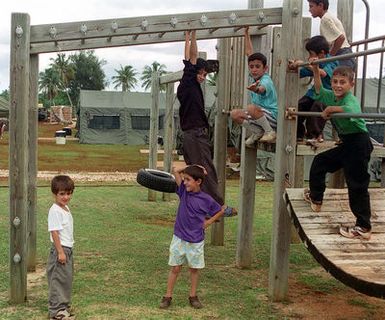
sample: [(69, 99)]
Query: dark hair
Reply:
[(317, 44), (344, 71), (257, 56), (62, 183), (318, 2), (201, 65), (195, 172)]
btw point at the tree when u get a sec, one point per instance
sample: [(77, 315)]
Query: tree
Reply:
[(88, 73), (126, 78), (66, 72), (212, 79), (147, 75), (5, 94), (50, 84)]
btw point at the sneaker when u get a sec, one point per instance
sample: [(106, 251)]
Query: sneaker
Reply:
[(165, 303), (230, 212), (269, 136), (250, 141), (355, 232), (195, 303), (63, 315), (314, 205)]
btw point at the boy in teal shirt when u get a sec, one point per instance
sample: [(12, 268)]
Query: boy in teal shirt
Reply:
[(352, 155)]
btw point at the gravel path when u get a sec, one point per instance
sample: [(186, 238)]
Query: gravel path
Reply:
[(84, 176)]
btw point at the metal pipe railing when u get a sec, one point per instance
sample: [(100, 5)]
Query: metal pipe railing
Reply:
[(337, 114), (380, 80), (364, 66), (344, 56), (359, 42)]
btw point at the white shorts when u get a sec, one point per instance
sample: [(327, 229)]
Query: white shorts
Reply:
[(182, 252)]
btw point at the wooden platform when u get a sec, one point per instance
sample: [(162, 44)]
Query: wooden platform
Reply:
[(357, 263), (304, 149)]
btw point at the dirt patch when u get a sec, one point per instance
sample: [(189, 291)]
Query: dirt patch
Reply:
[(36, 278), (307, 304)]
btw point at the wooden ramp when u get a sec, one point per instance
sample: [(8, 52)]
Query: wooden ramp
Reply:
[(357, 263)]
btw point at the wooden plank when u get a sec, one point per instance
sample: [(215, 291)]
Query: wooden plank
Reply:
[(220, 130), (18, 155), (169, 133), (171, 77), (32, 161), (124, 41), (288, 90), (154, 129), (160, 151), (306, 150), (155, 24)]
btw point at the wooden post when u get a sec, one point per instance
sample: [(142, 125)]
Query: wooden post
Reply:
[(285, 148), (154, 128), (244, 252), (32, 163), (300, 161), (18, 155), (220, 134), (168, 133)]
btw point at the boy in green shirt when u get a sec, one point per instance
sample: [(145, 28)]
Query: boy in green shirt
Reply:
[(352, 155)]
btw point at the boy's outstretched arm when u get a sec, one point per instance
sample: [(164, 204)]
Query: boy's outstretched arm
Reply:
[(316, 75), (193, 48), (248, 43), (187, 45)]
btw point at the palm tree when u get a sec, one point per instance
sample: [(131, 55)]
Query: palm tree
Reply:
[(148, 70), (50, 83), (212, 79), (126, 78), (66, 72)]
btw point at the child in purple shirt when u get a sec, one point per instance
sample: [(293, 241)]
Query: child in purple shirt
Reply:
[(187, 245)]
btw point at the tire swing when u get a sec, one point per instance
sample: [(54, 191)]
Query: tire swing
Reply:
[(157, 180)]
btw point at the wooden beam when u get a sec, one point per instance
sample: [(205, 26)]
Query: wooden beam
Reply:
[(171, 77), (168, 133), (244, 251), (18, 155), (154, 24), (32, 163), (154, 128), (220, 133), (120, 41), (285, 148)]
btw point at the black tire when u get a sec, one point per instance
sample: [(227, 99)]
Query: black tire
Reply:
[(157, 180)]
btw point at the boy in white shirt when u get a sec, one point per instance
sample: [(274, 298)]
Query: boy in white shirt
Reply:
[(60, 260), (333, 31)]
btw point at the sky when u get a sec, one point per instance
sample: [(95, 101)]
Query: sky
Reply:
[(169, 54)]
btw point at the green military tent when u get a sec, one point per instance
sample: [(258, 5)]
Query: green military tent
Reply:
[(4, 108), (112, 117)]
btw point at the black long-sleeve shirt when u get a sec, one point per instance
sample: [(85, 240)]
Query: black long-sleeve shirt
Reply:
[(192, 107)]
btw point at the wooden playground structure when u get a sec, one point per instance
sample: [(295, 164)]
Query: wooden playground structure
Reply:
[(27, 42)]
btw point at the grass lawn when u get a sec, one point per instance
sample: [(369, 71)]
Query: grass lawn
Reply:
[(121, 255), (74, 156)]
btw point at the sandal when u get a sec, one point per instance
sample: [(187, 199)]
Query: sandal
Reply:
[(314, 205)]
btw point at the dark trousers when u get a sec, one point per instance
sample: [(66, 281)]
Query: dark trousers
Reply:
[(197, 150), (59, 281), (312, 126), (352, 156)]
